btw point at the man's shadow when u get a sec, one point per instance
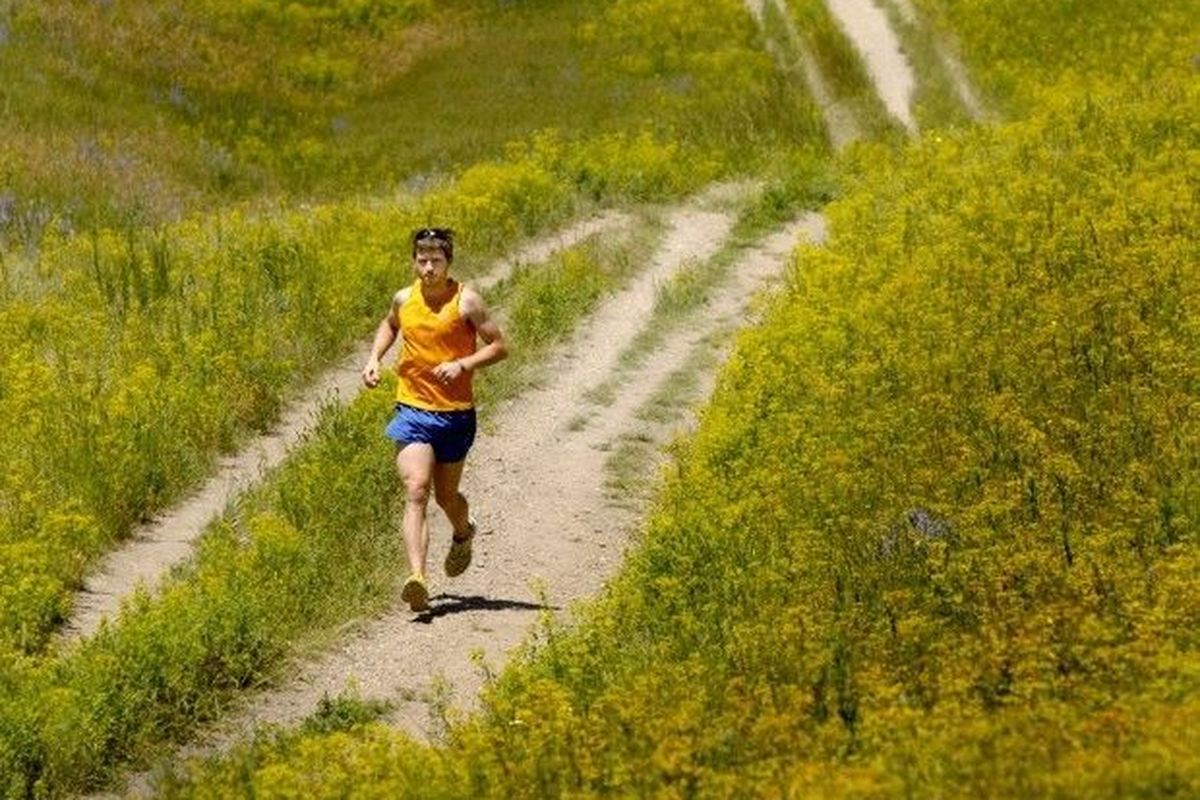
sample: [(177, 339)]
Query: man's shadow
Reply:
[(443, 605)]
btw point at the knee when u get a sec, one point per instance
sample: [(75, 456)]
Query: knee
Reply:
[(416, 491)]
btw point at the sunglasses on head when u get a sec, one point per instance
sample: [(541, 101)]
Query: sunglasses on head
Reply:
[(433, 233)]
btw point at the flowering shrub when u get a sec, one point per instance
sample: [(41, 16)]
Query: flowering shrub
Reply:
[(954, 539), (936, 534), (1019, 50)]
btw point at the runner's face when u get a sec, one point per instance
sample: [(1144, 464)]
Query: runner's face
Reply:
[(432, 266)]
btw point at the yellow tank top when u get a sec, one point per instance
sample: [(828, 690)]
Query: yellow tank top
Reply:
[(431, 336)]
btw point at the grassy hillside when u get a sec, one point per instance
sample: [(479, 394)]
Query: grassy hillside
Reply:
[(936, 533), (1018, 51), (164, 294), (133, 112), (168, 320), (280, 567), (139, 110)]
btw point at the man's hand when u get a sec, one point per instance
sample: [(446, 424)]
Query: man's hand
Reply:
[(370, 373), (448, 371)]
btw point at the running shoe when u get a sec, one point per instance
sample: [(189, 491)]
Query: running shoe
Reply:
[(415, 593), (459, 557)]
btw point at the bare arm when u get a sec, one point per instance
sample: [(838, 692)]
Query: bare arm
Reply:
[(385, 335), (473, 308)]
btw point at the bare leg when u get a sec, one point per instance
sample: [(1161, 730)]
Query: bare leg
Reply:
[(416, 465), (446, 478)]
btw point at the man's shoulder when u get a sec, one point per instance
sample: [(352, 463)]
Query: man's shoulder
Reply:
[(469, 294), (398, 301)]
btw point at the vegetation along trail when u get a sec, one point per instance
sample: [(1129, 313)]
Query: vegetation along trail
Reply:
[(793, 57), (934, 534), (550, 534), (162, 543)]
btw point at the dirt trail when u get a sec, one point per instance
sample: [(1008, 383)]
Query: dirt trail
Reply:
[(537, 486), (154, 548), (866, 25)]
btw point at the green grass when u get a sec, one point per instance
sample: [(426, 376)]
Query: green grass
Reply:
[(670, 401), (344, 714), (629, 467), (241, 105), (841, 66), (1017, 51), (936, 534), (626, 483)]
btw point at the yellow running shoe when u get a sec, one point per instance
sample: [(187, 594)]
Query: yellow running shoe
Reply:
[(415, 593), (459, 557)]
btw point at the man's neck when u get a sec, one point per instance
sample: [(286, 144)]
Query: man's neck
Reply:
[(437, 295)]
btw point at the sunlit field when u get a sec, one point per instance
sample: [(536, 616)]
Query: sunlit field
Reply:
[(934, 534)]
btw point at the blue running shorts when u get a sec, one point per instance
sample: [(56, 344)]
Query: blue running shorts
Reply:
[(450, 432)]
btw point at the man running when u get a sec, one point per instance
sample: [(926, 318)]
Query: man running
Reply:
[(438, 320)]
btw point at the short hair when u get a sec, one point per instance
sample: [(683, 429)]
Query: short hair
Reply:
[(441, 238)]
